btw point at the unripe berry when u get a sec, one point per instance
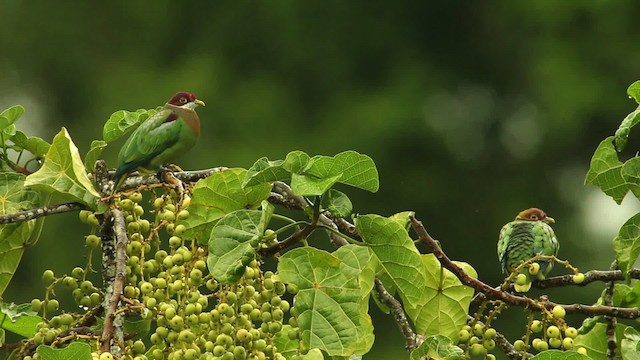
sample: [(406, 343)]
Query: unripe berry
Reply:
[(555, 343), (489, 344), (567, 343), (179, 230), (92, 241), (136, 197), (93, 220), (84, 215), (536, 326), (106, 356), (521, 279), (36, 305), (553, 331), (519, 345), (558, 312), (477, 350), (52, 305), (139, 347), (534, 269), (541, 346), (571, 332), (77, 272), (48, 277), (490, 333), (126, 205)]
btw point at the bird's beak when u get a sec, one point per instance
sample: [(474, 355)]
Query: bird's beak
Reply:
[(199, 102), (550, 219)]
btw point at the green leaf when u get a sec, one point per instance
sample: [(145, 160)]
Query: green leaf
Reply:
[(122, 122), (288, 347), (328, 300), (19, 319), (445, 301), (560, 355), (622, 133), (94, 154), (264, 171), (361, 261), (77, 350), (13, 237), (629, 344), (63, 173), (626, 244), (403, 218), (398, 256), (357, 170), (337, 203), (10, 116), (605, 171), (305, 185), (217, 196), (33, 144), (437, 347), (595, 341), (634, 91), (233, 244), (137, 326)]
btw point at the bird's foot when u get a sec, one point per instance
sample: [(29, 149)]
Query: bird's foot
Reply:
[(166, 175)]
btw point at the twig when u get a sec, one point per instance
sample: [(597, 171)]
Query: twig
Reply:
[(398, 314), (113, 333), (611, 321), (510, 299), (135, 181)]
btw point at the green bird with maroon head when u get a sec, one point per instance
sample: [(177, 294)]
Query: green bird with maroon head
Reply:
[(161, 138), (523, 238)]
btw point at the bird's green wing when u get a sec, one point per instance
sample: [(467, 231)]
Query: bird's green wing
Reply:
[(503, 243), (147, 141)]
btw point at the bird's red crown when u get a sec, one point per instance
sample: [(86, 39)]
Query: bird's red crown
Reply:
[(182, 98), (534, 214)]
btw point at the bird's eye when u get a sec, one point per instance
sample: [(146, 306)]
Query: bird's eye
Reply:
[(183, 100), (534, 217)]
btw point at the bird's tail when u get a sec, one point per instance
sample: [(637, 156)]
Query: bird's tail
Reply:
[(119, 179)]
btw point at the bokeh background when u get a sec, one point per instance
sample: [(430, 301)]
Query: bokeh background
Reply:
[(472, 111)]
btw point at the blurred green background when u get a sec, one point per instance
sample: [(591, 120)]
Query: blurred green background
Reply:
[(472, 111)]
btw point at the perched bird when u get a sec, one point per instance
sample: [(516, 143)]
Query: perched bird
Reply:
[(525, 237), (161, 138)]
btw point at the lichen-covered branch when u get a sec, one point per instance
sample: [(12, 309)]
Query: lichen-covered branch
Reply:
[(113, 332), (26, 215)]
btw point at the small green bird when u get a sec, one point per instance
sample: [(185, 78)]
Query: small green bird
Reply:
[(525, 237), (161, 138)]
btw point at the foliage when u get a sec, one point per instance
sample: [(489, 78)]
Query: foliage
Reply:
[(185, 264)]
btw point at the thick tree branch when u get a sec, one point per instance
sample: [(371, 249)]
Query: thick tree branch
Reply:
[(510, 299)]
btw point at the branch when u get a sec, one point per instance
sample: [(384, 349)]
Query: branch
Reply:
[(39, 212), (290, 241), (589, 277), (610, 320), (113, 330), (137, 180), (398, 314), (510, 299)]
